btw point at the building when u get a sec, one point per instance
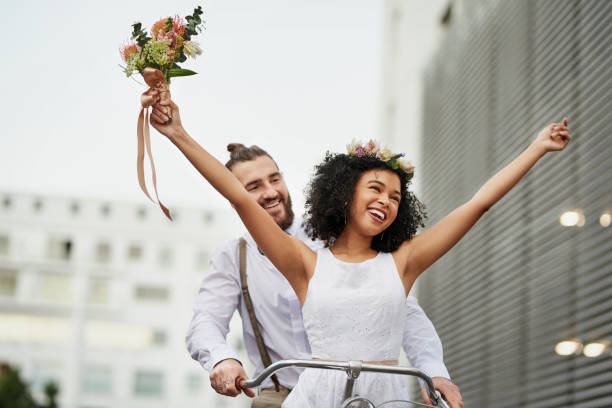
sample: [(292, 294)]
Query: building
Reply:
[(523, 303), (97, 296)]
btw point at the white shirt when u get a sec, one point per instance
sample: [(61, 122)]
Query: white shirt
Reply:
[(278, 311)]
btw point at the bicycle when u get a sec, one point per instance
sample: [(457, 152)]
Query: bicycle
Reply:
[(353, 369)]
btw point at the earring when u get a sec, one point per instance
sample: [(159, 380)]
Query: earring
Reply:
[(345, 205)]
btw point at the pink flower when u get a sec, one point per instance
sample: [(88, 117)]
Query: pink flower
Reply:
[(360, 151), (372, 148)]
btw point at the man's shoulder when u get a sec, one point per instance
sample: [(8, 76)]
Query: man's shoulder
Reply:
[(226, 251)]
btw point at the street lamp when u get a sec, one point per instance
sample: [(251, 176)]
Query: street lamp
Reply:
[(595, 348), (605, 219), (572, 218), (568, 347)]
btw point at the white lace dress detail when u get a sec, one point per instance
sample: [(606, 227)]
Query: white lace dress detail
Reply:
[(352, 311)]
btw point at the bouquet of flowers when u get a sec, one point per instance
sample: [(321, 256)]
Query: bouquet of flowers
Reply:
[(156, 58), (170, 43)]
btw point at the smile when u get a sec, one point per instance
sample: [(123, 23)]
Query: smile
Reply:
[(272, 205), (377, 215)]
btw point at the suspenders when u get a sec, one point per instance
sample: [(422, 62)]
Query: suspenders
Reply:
[(263, 352)]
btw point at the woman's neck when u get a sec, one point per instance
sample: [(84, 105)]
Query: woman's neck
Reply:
[(351, 246)]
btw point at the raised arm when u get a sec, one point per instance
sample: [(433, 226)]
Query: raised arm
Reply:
[(424, 249), (290, 256)]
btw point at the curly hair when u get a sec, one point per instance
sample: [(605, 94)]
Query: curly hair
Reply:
[(330, 193)]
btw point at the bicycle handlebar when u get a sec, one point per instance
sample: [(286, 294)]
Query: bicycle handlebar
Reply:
[(348, 367)]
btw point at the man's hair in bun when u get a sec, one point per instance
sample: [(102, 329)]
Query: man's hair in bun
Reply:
[(241, 153)]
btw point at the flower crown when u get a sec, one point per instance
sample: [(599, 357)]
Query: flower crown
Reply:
[(374, 150)]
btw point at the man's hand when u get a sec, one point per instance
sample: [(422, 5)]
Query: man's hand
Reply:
[(226, 376), (449, 391)]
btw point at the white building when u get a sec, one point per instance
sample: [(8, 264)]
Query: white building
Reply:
[(98, 295), (411, 31)]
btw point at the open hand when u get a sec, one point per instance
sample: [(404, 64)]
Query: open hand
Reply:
[(554, 136), (226, 376), (449, 391)]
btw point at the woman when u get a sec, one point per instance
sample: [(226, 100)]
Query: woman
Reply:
[(353, 291)]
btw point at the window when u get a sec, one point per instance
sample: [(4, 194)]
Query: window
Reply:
[(54, 287), (4, 245), (97, 380), (194, 382), (151, 293), (37, 205), (142, 213), (60, 249), (44, 372), (160, 338), (209, 217), (166, 258), (148, 383), (103, 252), (99, 291), (75, 208), (105, 210), (7, 202), (8, 283), (134, 252)]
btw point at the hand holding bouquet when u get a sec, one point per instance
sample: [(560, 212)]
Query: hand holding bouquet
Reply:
[(156, 58)]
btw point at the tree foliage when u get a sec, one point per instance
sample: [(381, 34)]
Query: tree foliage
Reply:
[(15, 393)]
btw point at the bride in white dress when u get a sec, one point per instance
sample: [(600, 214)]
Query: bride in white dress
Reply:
[(353, 291)]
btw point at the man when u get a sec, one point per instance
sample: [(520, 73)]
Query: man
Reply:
[(276, 306)]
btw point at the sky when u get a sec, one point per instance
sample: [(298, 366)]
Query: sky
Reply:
[(295, 77)]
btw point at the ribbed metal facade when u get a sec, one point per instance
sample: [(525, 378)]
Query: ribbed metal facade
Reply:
[(519, 282)]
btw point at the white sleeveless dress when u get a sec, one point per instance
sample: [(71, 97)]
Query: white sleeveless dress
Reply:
[(352, 311)]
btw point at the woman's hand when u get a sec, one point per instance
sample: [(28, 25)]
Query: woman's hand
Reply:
[(166, 119), (553, 137)]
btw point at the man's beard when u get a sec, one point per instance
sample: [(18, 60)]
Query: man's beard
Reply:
[(288, 218)]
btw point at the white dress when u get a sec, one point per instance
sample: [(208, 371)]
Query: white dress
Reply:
[(352, 311)]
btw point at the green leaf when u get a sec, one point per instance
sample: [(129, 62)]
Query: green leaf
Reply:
[(177, 72)]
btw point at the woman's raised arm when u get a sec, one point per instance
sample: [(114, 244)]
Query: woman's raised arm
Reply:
[(288, 254), (424, 249)]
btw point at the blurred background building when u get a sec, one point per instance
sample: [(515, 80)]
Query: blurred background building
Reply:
[(97, 296), (524, 303)]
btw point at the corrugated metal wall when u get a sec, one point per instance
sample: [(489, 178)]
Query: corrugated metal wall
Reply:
[(519, 282)]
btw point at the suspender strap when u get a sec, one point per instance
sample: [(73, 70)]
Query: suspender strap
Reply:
[(263, 352)]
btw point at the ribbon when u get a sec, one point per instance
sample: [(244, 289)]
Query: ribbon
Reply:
[(157, 87)]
